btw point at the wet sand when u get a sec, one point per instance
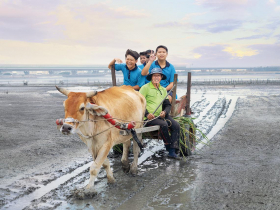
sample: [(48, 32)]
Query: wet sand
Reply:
[(238, 170)]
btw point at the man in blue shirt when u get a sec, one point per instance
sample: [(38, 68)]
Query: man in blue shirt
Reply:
[(131, 72), (167, 68)]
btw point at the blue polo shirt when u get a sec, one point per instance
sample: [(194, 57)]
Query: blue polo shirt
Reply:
[(131, 77), (168, 71), (142, 66)]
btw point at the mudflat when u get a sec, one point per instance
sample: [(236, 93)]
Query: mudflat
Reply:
[(29, 139), (238, 169)]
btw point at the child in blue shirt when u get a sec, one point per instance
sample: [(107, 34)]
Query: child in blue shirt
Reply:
[(131, 72), (143, 57)]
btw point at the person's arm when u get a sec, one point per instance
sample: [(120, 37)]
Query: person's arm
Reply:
[(173, 71), (145, 70), (141, 81), (144, 91), (146, 113), (169, 86), (136, 87), (113, 62), (166, 106)]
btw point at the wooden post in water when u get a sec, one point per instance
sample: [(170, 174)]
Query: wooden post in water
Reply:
[(174, 96), (188, 109), (113, 72)]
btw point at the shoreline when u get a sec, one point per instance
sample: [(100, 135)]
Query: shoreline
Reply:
[(180, 83)]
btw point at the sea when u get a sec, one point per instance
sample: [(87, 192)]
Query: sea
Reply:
[(100, 75)]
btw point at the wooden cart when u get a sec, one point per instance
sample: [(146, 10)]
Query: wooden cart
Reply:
[(180, 107)]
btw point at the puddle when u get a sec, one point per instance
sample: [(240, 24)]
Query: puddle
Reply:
[(26, 200), (220, 122)]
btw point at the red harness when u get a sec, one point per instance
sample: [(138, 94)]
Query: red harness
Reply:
[(108, 117), (122, 126)]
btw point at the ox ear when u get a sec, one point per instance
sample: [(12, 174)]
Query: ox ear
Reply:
[(96, 110), (63, 90), (91, 93)]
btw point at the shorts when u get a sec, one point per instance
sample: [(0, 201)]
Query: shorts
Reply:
[(171, 93)]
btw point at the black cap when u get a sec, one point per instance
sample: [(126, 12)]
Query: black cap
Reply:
[(134, 54)]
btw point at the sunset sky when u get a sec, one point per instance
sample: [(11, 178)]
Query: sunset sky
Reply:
[(198, 33)]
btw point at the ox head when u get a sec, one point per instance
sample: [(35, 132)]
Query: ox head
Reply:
[(77, 107)]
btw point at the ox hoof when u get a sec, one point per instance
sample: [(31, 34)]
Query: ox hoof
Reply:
[(83, 194), (125, 166), (133, 171), (111, 180)]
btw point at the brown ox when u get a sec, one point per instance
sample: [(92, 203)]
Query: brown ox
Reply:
[(122, 103)]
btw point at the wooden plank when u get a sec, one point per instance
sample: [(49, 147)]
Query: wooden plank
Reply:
[(147, 129), (188, 109), (113, 72), (174, 96)]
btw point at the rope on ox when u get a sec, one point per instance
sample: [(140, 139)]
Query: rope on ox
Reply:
[(123, 126)]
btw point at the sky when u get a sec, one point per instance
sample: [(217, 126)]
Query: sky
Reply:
[(197, 33)]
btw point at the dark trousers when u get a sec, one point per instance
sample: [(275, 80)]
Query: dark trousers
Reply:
[(173, 139)]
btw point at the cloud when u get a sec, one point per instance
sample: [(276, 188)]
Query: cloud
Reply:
[(240, 52), (103, 10), (184, 22), (219, 26), (97, 25), (257, 36), (222, 4), (234, 56), (28, 21), (229, 8), (173, 24), (269, 51), (277, 37), (273, 24), (20, 52), (34, 21)]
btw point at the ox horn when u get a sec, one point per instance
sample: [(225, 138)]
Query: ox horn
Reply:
[(63, 90), (91, 93)]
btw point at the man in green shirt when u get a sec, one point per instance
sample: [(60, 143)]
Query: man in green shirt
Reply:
[(154, 94)]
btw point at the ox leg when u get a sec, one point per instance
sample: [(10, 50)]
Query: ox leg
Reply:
[(109, 172), (97, 163), (136, 151), (124, 160)]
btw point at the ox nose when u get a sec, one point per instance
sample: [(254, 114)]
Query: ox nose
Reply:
[(66, 128)]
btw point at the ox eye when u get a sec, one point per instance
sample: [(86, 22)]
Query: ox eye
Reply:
[(82, 109)]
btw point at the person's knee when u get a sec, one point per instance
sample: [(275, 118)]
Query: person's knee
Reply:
[(164, 125), (176, 124), (170, 98)]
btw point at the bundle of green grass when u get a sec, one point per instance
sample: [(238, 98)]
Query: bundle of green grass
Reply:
[(188, 137)]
